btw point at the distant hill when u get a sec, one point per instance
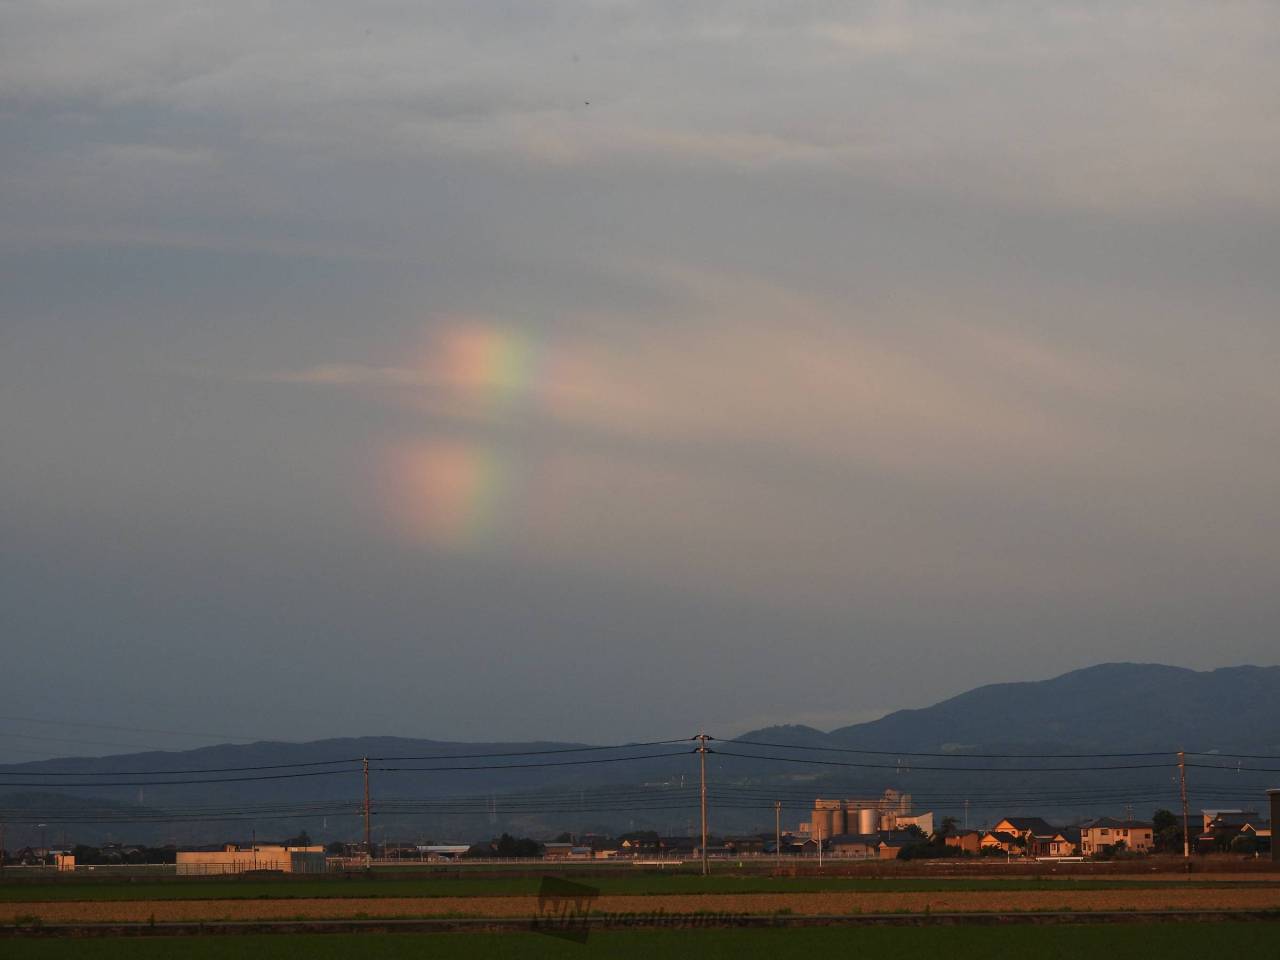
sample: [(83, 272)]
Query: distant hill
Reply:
[(1114, 708)]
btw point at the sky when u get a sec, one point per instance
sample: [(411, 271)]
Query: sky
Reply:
[(615, 370)]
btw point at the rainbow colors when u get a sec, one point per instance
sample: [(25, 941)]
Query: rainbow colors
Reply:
[(492, 366), (453, 490), (448, 492)]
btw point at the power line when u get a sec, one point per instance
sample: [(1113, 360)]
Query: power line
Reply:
[(890, 766), (181, 783), (956, 755), (525, 766), (353, 760), (108, 726), (536, 753), (145, 773)]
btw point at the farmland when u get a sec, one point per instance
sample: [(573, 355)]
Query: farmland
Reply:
[(626, 884), (1172, 941)]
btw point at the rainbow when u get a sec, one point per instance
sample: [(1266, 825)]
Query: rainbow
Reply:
[(493, 366), (448, 492), (453, 490)]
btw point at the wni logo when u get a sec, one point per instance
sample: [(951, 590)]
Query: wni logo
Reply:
[(563, 908)]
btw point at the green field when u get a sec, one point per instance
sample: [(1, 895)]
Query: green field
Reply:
[(636, 884), (1171, 941)]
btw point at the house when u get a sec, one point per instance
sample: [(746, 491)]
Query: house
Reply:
[(1001, 841), (854, 845), (967, 841), (890, 847), (1226, 819), (1098, 836), (1224, 828), (677, 846), (1059, 843), (565, 851), (746, 846), (605, 849), (639, 844), (1024, 827)]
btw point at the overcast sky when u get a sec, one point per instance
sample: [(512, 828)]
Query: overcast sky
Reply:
[(603, 370)]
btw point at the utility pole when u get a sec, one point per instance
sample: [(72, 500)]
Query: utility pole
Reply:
[(702, 758), (817, 828), (966, 814), (368, 836), (1186, 810), (777, 831), (1, 846)]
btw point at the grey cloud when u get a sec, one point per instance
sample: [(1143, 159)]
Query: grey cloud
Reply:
[(856, 334)]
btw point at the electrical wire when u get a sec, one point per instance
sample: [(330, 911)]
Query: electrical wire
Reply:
[(890, 766)]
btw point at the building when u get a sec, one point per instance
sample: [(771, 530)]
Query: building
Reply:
[(1233, 831), (1098, 836), (1232, 820), (566, 851), (854, 846), (924, 821), (1058, 843), (864, 815), (235, 858), (892, 845), (967, 841), (1000, 841), (443, 851), (1024, 827)]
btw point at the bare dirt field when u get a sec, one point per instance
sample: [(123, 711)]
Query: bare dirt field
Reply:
[(763, 903)]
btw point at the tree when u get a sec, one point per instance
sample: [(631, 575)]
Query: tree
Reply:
[(1167, 831), (565, 837), (509, 846), (948, 827), (1245, 843)]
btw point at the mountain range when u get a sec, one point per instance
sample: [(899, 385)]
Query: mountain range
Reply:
[(1097, 740)]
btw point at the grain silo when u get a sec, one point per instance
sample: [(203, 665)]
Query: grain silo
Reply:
[(821, 823), (839, 821), (868, 821)]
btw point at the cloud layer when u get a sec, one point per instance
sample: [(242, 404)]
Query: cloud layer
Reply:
[(634, 346)]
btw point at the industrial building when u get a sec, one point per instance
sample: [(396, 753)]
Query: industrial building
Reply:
[(862, 816), (234, 858)]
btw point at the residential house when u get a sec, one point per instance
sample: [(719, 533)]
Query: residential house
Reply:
[(1059, 843), (565, 851), (967, 841), (1096, 836), (854, 845), (1001, 841)]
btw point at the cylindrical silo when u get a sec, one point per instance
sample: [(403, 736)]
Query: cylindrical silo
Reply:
[(868, 820), (822, 824), (838, 821)]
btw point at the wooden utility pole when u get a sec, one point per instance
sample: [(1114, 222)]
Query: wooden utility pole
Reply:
[(1, 846), (1186, 810), (702, 758), (777, 831), (368, 834)]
